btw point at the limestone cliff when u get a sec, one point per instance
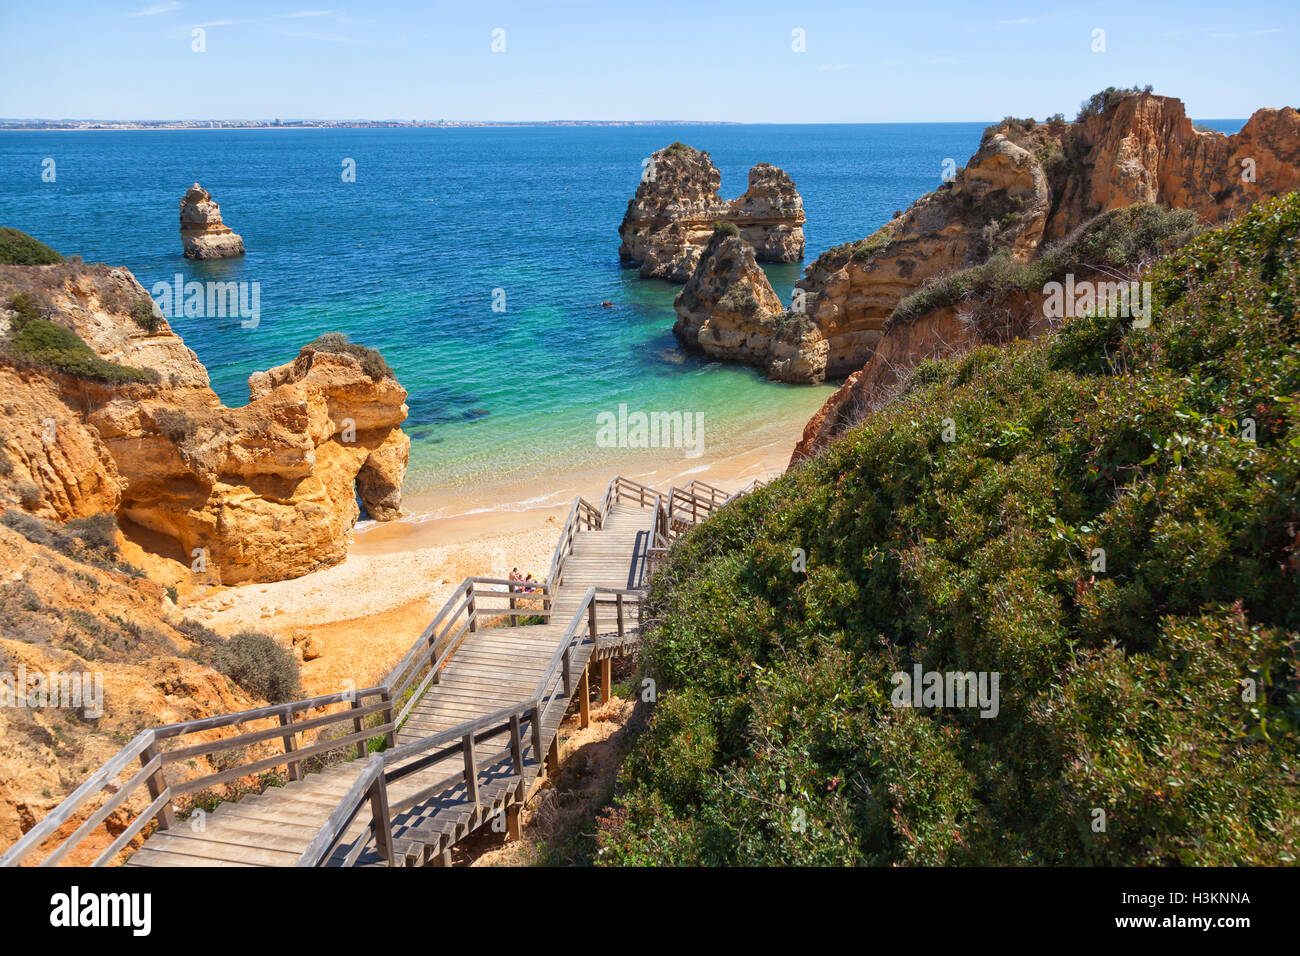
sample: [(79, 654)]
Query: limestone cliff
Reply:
[(670, 219), (729, 311), (263, 492), (203, 234), (65, 615), (1029, 184)]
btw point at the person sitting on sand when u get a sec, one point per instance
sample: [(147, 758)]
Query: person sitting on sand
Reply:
[(515, 576)]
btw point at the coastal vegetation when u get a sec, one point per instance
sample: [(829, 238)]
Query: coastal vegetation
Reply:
[(372, 363), (1107, 99), (260, 665), (35, 340), (90, 540), (19, 249), (1105, 517), (1119, 243)]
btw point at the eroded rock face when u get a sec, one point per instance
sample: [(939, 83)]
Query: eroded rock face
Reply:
[(149, 677), (259, 493), (203, 234), (671, 218), (940, 333), (1026, 186), (1146, 150), (728, 310), (727, 306), (1000, 200)]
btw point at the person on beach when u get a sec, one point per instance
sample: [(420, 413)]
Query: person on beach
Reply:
[(517, 577)]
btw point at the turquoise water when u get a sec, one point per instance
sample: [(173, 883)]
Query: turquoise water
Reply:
[(406, 258)]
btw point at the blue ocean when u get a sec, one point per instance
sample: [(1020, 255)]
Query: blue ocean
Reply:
[(408, 257)]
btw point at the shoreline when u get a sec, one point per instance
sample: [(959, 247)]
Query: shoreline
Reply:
[(351, 622)]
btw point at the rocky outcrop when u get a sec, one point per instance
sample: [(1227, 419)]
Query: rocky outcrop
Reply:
[(670, 219), (729, 311), (259, 493), (999, 201), (1145, 149), (203, 234), (1027, 185), (940, 333), (67, 616)]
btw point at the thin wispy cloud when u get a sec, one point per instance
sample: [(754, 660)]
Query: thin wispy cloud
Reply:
[(1239, 36), (322, 37), (832, 66), (156, 9), (273, 25), (1018, 21)]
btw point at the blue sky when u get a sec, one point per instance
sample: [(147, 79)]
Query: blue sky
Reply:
[(608, 59)]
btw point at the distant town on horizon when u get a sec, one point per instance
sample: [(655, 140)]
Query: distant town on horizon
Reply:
[(44, 124)]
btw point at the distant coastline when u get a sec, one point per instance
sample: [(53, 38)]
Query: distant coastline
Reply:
[(39, 125)]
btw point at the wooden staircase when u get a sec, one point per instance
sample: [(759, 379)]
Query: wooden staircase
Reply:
[(469, 720)]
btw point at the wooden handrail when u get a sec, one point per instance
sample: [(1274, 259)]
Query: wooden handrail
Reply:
[(322, 844), (432, 649)]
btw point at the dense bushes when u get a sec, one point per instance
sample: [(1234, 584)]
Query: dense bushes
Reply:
[(1156, 688), (145, 315), (19, 249), (91, 540), (35, 340), (258, 664), (372, 363), (1122, 240), (1107, 99)]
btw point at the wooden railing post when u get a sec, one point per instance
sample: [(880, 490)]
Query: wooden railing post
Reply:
[(619, 602), (380, 825), (471, 770), (606, 675), (516, 745), (553, 758), (584, 699), (434, 638), (358, 725), (473, 608), (290, 743), (568, 680), (390, 738), (157, 784), (591, 618), (535, 718)]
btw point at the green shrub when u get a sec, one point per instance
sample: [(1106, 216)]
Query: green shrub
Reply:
[(144, 315), (198, 632), (19, 249), (1107, 99), (372, 363), (258, 664), (775, 739), (36, 340), (726, 229), (96, 535), (175, 423), (1123, 240)]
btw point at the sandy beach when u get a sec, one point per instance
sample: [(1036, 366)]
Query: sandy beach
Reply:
[(353, 621)]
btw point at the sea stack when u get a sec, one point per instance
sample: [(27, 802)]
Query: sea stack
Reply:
[(729, 311), (203, 234), (671, 218)]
